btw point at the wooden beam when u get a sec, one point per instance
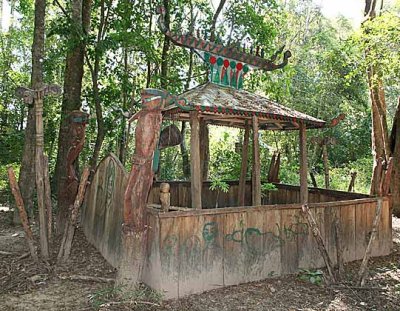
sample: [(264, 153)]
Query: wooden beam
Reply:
[(256, 177), (303, 165), (243, 170), (195, 167)]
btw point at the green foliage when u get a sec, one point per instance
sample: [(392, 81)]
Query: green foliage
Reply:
[(267, 186), (314, 277), (219, 185)]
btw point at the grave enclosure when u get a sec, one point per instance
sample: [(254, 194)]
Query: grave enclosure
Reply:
[(196, 250)]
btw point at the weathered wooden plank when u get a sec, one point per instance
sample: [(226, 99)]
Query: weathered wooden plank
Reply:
[(347, 218), (234, 250), (272, 242), (361, 230), (386, 237), (152, 268), (169, 256), (288, 234), (212, 236), (331, 214), (190, 255), (253, 241)]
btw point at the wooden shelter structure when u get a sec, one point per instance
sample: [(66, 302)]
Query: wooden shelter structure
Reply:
[(174, 240)]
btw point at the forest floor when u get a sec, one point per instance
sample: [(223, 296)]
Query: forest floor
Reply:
[(28, 286)]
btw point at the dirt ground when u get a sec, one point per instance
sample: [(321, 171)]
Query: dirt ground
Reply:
[(28, 286)]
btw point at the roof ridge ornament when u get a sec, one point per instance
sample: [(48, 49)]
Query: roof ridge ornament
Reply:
[(228, 65)]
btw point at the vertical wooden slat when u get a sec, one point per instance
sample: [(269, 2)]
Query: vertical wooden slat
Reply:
[(361, 230), (386, 236), (243, 170), (195, 176), (272, 243), (169, 256), (256, 178), (253, 240), (347, 217), (190, 255), (303, 165), (331, 214), (289, 249), (234, 253), (212, 235)]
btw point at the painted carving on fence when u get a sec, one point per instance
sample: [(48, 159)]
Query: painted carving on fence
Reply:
[(110, 184), (206, 250)]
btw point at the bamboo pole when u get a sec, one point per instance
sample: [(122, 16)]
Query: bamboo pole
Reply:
[(303, 165), (256, 177), (243, 170), (195, 167), (22, 212)]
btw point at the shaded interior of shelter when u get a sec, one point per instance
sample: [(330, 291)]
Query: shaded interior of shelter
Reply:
[(283, 194)]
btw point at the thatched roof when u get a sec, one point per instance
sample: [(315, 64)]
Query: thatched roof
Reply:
[(221, 105)]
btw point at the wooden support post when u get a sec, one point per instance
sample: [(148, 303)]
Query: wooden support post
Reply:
[(165, 197), (39, 168), (243, 170), (303, 165), (204, 149), (22, 212), (256, 177), (195, 166)]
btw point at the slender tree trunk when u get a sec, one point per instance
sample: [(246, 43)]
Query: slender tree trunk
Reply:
[(27, 172), (380, 139), (165, 50), (71, 99), (395, 148), (184, 153)]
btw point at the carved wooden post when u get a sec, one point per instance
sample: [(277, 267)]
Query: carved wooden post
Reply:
[(303, 165), (36, 97), (165, 197), (243, 170), (195, 166), (256, 177), (139, 183)]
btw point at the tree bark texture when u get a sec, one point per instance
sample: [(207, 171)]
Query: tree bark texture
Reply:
[(165, 50), (184, 153), (138, 187), (27, 172), (395, 148), (80, 20)]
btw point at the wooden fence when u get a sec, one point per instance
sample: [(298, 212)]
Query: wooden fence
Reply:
[(196, 250)]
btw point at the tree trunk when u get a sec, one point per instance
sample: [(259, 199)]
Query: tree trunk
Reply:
[(27, 172), (71, 99), (184, 153), (380, 139), (165, 50), (395, 148), (204, 149)]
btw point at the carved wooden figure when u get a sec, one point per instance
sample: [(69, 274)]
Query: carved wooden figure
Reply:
[(139, 183), (67, 193)]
